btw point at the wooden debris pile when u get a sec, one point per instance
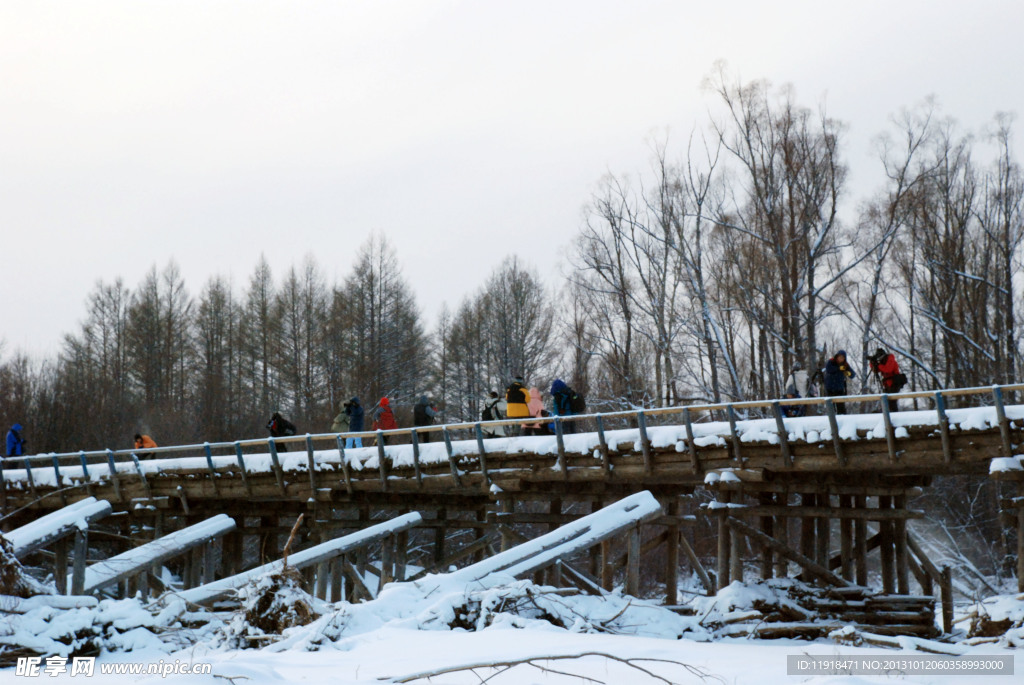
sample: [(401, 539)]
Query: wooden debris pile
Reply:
[(797, 610)]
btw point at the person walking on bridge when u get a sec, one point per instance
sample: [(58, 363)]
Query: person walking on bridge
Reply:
[(15, 441), (384, 418), (280, 427), (887, 371), (517, 399), (356, 420), (423, 415), (836, 372), (144, 442)]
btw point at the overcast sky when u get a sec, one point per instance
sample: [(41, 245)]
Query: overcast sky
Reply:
[(210, 132)]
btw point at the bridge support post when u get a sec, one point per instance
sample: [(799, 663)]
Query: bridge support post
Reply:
[(806, 531), (724, 541), (886, 547), (60, 566), (768, 528), (782, 535), (672, 555), (860, 530), (1020, 539), (846, 539), (900, 543)]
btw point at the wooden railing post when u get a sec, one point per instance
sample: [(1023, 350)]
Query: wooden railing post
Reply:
[(416, 457), (346, 471), (645, 443), (560, 443), (114, 477), (691, 446), (602, 442), (780, 429), (1004, 424), (241, 467), (311, 463), (209, 464), (483, 455), (276, 463), (737, 452), (940, 409)]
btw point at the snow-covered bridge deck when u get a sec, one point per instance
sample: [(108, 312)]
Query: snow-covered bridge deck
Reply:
[(926, 442), (827, 471)]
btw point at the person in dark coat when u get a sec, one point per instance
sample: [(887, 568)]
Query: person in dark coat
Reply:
[(280, 427), (15, 441), (356, 414), (561, 402), (887, 370), (423, 415), (836, 372)]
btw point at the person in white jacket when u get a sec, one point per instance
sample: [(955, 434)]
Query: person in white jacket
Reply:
[(797, 381)]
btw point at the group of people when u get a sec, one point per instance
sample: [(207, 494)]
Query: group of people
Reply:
[(522, 403), (835, 376)]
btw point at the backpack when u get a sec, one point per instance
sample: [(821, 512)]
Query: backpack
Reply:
[(898, 381), (489, 413), (577, 403), (516, 394)]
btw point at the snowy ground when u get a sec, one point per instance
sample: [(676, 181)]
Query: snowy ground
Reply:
[(391, 654)]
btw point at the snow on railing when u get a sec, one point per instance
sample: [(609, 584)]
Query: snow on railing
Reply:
[(83, 468)]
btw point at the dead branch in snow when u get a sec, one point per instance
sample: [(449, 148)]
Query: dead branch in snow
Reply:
[(535, 662)]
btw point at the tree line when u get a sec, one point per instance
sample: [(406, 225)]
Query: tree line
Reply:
[(705, 277)]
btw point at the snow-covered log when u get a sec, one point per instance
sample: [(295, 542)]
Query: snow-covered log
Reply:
[(55, 525), (568, 540), (134, 561), (308, 557)]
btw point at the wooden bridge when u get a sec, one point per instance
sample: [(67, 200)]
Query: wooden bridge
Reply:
[(775, 491)]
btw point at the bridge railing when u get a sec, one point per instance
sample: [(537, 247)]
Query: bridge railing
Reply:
[(482, 430)]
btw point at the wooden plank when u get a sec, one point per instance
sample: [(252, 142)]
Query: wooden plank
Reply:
[(697, 566), (827, 512), (940, 409), (807, 564), (691, 446), (242, 469), (833, 422), (359, 585), (276, 464), (780, 429)]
